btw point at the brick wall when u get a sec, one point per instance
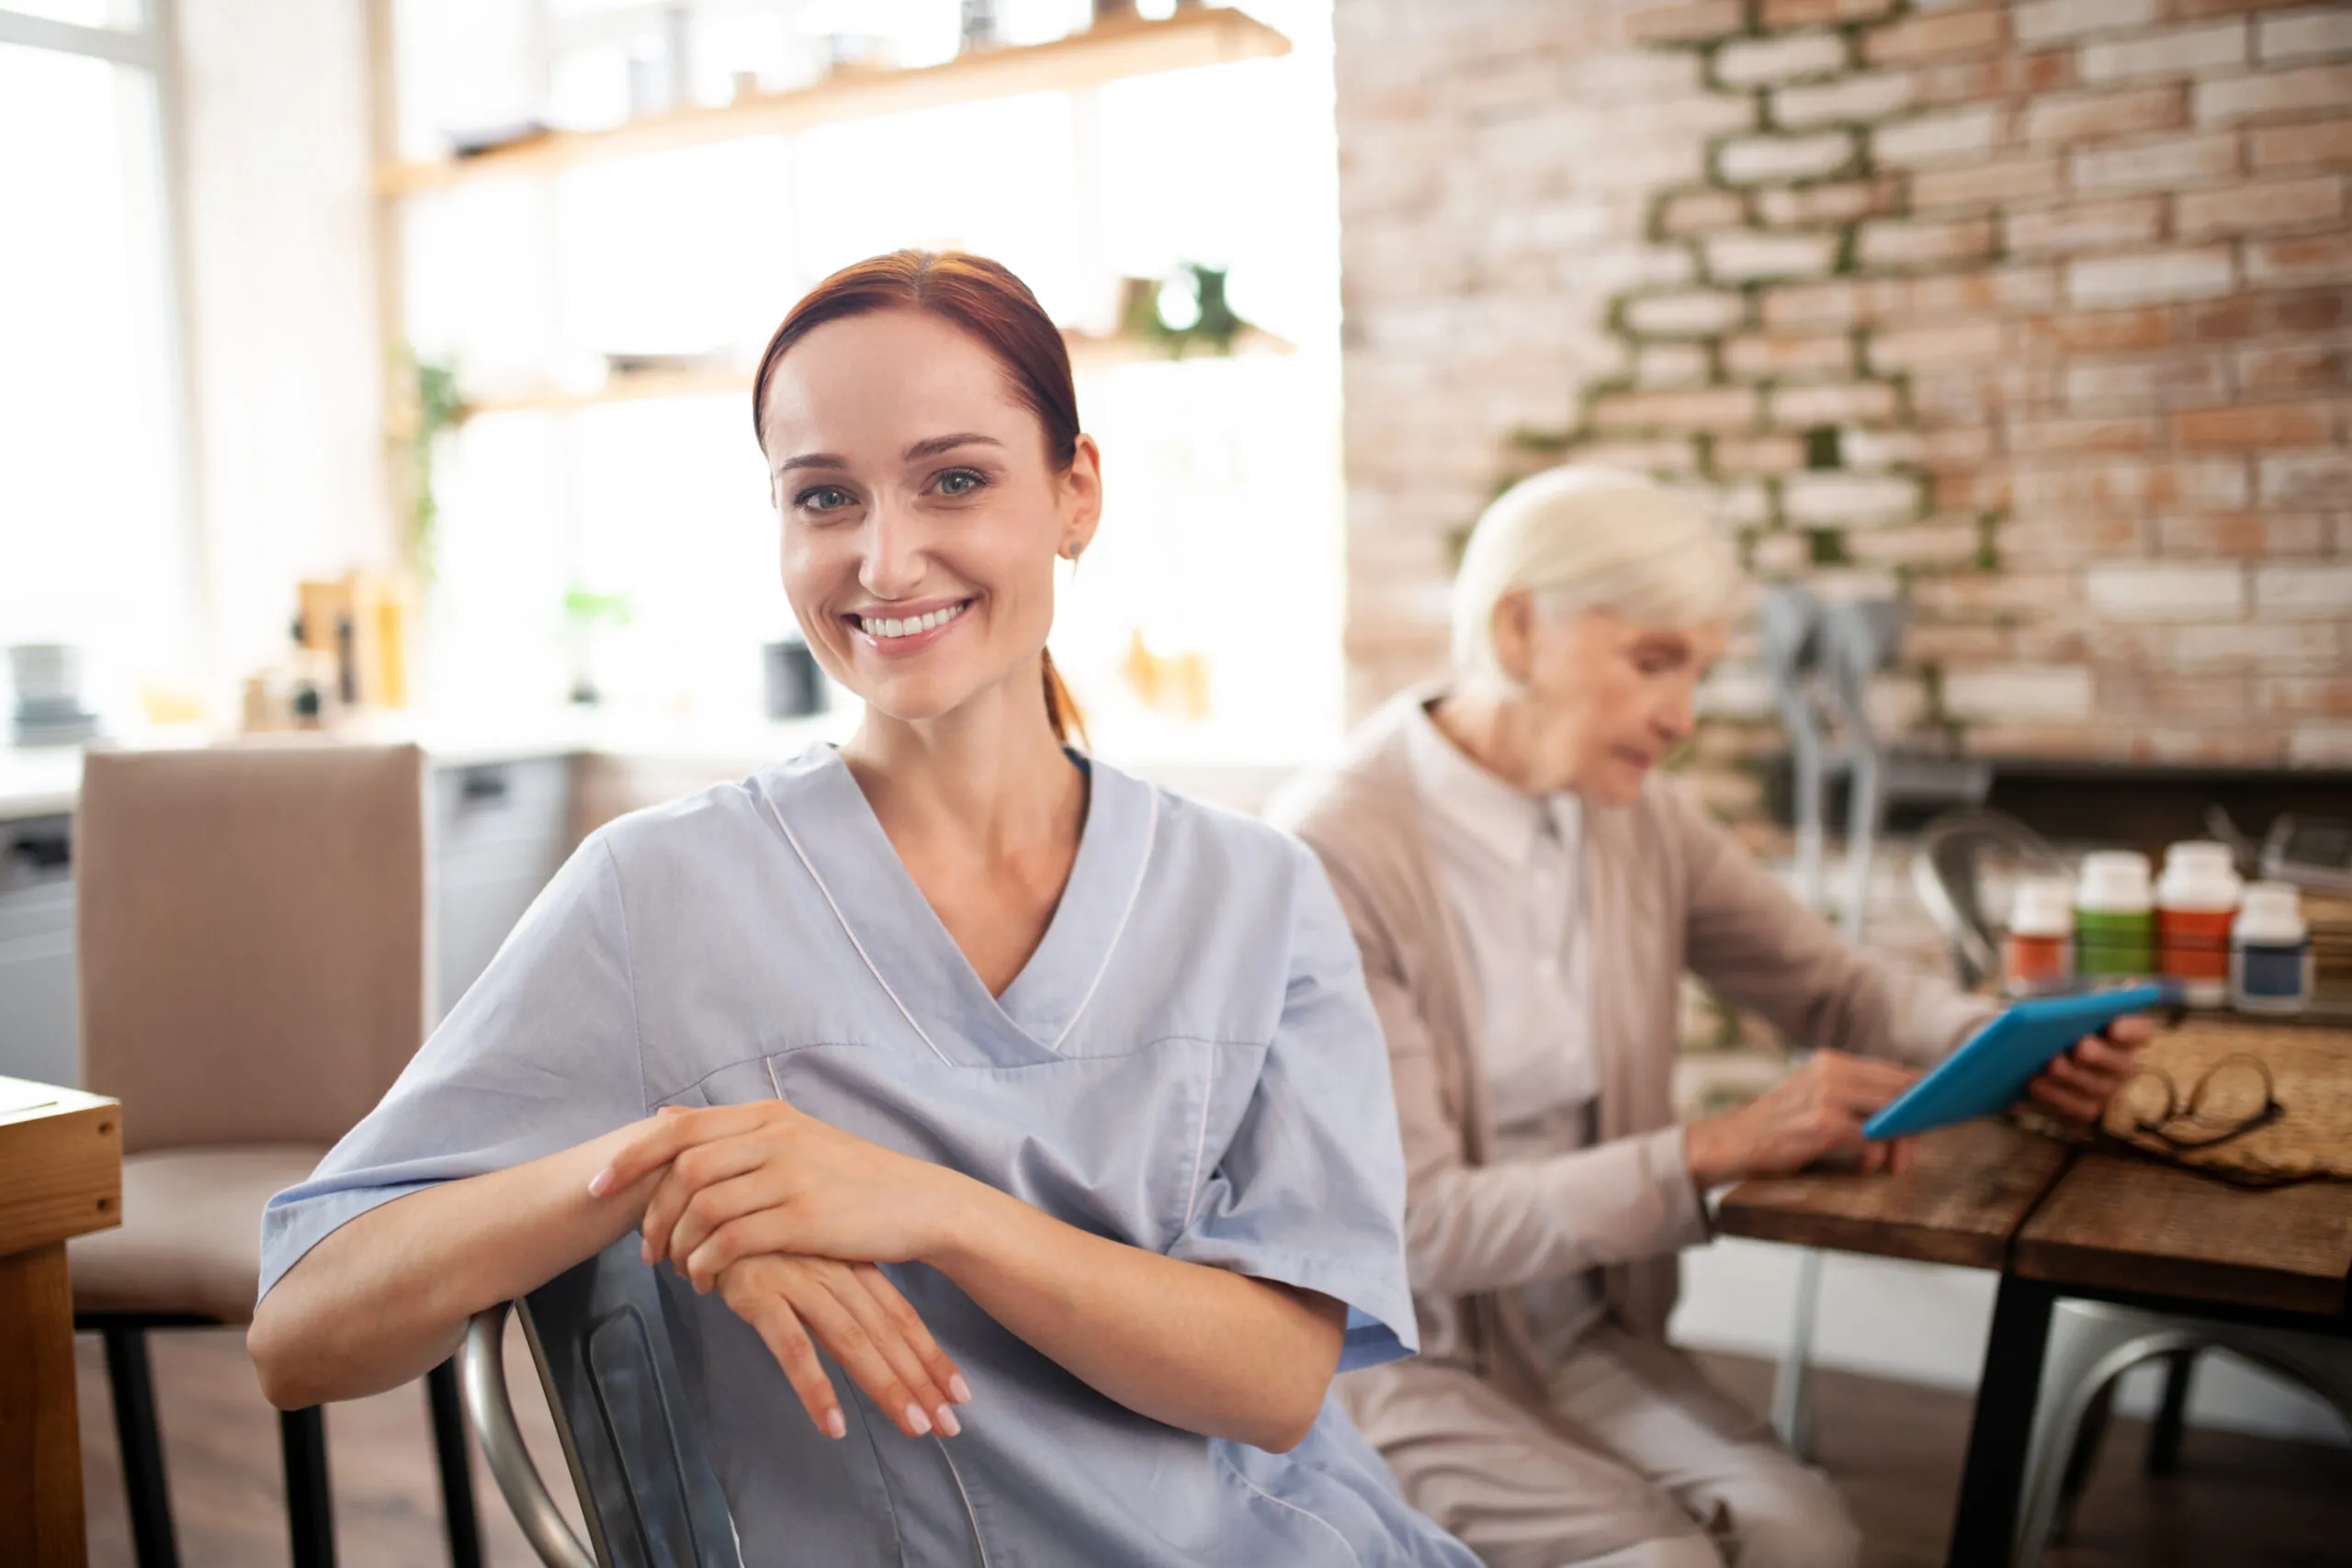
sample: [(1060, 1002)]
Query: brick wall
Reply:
[(2038, 313)]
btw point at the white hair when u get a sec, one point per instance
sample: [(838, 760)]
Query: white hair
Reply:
[(1591, 538)]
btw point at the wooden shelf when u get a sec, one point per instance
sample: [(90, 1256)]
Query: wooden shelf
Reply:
[(1194, 36), (1088, 352)]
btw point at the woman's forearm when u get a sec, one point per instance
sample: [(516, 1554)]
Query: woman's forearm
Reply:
[(1194, 1346), (386, 1297)]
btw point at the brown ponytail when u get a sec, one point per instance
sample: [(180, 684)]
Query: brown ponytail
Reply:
[(1062, 708), (984, 298)]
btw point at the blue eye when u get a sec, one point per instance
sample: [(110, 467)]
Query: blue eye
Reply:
[(960, 481), (822, 498)]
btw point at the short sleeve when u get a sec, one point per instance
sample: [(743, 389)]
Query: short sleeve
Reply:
[(541, 1054), (1310, 1191)]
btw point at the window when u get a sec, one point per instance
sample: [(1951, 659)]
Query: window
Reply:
[(94, 525), (1204, 625)]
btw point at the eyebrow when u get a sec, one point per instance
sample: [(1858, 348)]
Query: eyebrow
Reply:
[(914, 453)]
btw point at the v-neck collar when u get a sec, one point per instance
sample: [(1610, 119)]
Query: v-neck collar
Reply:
[(834, 831)]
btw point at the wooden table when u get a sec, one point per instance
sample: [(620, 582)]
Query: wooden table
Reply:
[(61, 1175), (2057, 1223)]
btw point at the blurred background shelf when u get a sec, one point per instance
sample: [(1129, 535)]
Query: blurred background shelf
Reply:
[(1194, 36), (1088, 352)]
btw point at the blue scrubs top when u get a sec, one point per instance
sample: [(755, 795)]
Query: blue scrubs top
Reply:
[(1189, 1063)]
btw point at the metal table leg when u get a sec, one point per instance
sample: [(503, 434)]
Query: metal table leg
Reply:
[(1983, 1528)]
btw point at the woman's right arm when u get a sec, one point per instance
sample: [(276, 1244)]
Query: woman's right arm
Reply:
[(385, 1297)]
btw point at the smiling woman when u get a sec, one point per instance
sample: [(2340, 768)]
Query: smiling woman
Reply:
[(944, 308), (1048, 1103)]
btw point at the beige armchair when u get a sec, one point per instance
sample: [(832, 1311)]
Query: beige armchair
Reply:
[(254, 976)]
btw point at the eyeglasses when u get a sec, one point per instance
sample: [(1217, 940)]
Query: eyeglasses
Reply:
[(2235, 1097)]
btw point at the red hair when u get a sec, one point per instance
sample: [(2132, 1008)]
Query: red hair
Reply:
[(983, 299)]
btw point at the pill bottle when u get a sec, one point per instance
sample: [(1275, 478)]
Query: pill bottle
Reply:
[(2038, 954), (2270, 951), (2196, 897), (2115, 920)]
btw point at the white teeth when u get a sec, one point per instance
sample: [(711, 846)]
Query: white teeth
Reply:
[(888, 627)]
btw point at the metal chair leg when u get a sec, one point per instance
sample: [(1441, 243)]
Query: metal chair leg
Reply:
[(457, 1465), (309, 1508), (2081, 1461), (141, 1443), (2162, 1456)]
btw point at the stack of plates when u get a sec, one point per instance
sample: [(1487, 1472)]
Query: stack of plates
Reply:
[(53, 721)]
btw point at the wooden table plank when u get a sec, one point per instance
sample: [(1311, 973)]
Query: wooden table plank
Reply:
[(2127, 1224), (63, 1154), (1972, 1186)]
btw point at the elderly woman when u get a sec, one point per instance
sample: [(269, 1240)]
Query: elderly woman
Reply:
[(1527, 893)]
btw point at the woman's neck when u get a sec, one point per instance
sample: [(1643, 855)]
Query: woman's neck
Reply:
[(1501, 735), (988, 778)]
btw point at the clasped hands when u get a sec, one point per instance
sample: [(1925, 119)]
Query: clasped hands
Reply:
[(1817, 1111), (787, 1217)]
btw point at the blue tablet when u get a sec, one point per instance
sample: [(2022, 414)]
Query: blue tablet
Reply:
[(1994, 1066)]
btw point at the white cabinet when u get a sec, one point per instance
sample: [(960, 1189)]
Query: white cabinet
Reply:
[(39, 1024)]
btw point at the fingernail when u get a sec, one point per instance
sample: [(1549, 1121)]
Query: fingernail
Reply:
[(601, 1182), (645, 1253), (948, 1422), (918, 1420), (836, 1426), (958, 1390)]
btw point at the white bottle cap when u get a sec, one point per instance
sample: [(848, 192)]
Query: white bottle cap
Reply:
[(2198, 875), (2044, 906), (2270, 911), (2113, 880)]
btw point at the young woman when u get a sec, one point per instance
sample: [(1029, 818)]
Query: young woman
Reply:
[(1528, 894), (1050, 1105)]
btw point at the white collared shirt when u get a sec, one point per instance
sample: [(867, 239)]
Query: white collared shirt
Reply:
[(1512, 867)]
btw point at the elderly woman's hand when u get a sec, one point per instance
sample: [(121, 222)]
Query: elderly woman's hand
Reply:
[(1816, 1110), (2078, 1083)]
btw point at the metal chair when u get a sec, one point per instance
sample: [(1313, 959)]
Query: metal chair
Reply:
[(2092, 1345), (1948, 874), (599, 1331)]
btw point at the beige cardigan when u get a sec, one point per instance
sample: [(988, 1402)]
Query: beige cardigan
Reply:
[(1666, 889)]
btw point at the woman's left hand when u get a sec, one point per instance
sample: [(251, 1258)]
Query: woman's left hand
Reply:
[(764, 1177), (2078, 1083)]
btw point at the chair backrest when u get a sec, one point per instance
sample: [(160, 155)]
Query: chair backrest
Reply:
[(252, 937), (1957, 850), (599, 1334)]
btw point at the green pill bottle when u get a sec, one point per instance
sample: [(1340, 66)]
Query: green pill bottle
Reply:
[(2115, 917)]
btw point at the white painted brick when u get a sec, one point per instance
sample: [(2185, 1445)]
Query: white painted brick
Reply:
[(1936, 138), (2309, 478), (1867, 97), (2165, 591), (1696, 314), (2017, 691), (2042, 22), (2304, 35), (1852, 500), (1735, 691), (1733, 258), (2176, 53), (2319, 745), (2296, 90), (2302, 590), (1748, 63), (2099, 283), (2156, 166), (1753, 159), (1670, 365)]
